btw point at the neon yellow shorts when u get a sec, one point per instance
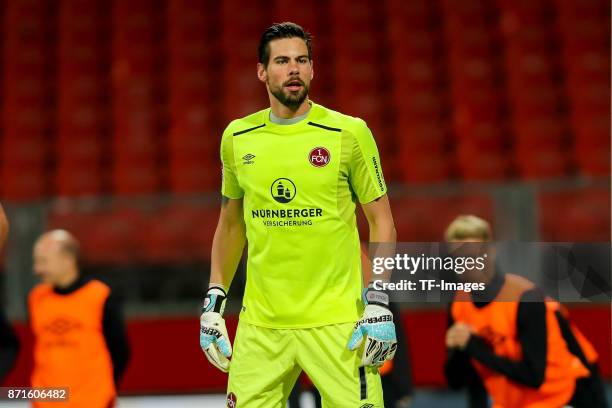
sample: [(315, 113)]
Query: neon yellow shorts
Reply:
[(267, 362)]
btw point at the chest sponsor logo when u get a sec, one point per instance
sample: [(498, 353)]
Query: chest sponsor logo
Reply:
[(248, 158), (319, 157), (283, 190)]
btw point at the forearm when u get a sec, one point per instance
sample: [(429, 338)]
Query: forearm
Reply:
[(382, 244), (228, 245)]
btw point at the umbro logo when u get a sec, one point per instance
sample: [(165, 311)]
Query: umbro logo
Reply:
[(248, 158), (367, 406)]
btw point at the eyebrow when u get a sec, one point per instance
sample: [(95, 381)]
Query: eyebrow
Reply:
[(284, 56)]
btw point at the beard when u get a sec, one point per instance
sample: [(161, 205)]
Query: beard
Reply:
[(291, 100)]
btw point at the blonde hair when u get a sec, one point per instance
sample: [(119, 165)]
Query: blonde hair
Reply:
[(466, 227)]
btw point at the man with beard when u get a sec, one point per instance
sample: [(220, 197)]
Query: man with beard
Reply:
[(292, 176)]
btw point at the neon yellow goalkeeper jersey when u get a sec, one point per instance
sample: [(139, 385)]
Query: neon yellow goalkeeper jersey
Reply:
[(300, 184)]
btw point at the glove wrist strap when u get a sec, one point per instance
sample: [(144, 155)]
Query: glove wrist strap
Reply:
[(376, 297), (214, 300)]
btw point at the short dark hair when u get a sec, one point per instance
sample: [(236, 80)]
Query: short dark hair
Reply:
[(282, 30)]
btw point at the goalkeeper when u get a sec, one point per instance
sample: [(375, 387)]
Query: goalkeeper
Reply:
[(292, 175)]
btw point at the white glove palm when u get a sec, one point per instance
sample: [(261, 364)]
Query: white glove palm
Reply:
[(213, 333), (377, 326)]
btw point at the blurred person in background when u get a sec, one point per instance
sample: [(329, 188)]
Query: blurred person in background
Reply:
[(9, 343), (79, 335), (512, 342)]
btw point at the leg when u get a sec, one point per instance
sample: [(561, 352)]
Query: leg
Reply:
[(263, 368), (335, 370)]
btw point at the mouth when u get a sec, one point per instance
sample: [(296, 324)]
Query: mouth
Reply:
[(294, 85)]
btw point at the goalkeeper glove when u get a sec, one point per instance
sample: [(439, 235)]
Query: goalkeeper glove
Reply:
[(213, 334), (377, 326)]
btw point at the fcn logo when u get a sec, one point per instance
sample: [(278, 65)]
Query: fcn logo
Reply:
[(319, 157), (231, 400)]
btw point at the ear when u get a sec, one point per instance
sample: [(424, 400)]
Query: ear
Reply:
[(261, 72), (311, 70)]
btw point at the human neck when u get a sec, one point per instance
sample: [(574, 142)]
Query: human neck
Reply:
[(281, 111), (68, 280)]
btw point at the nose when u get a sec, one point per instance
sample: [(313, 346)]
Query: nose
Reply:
[(293, 67)]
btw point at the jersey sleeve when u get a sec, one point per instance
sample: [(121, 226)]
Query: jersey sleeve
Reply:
[(229, 179), (365, 171)]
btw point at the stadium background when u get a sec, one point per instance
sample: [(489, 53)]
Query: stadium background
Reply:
[(112, 113)]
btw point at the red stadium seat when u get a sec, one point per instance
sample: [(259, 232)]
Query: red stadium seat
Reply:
[(421, 167), (418, 107), (473, 74), (22, 121), (113, 236), (540, 133), (30, 91), (474, 166), (194, 144), (589, 66), (542, 163), (136, 179), (575, 215), (534, 102), (592, 146), (24, 149), (83, 118), (583, 9), (593, 162), (424, 219), (414, 74), (194, 176), (579, 36), (530, 69), (471, 42), (82, 149), (481, 138), (589, 99), (417, 14), (79, 180), (415, 137), (526, 12), (180, 234), (310, 14), (23, 183), (168, 237)]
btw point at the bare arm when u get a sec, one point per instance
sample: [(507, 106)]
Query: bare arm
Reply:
[(228, 242), (382, 231), (4, 228)]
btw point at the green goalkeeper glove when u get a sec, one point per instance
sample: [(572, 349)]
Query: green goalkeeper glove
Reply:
[(213, 335), (377, 326)]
